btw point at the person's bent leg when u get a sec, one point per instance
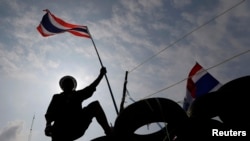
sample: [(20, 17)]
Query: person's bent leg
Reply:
[(97, 112)]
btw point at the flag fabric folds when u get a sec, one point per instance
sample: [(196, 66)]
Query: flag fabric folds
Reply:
[(51, 25), (199, 82)]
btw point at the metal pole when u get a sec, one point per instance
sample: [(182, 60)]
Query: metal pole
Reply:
[(29, 138), (116, 109)]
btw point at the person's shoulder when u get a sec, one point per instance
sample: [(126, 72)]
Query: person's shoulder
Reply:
[(86, 90), (56, 95)]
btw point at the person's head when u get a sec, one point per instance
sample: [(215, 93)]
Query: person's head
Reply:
[(67, 83)]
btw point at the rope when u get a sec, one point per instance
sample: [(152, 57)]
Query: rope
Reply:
[(235, 56), (187, 34)]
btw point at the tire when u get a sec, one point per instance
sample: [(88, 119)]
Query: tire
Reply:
[(147, 111)]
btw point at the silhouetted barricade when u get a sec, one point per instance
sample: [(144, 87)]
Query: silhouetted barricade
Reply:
[(234, 103), (144, 112), (229, 103), (196, 129)]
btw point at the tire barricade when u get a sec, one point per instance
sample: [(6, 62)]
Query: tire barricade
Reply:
[(144, 112), (229, 103)]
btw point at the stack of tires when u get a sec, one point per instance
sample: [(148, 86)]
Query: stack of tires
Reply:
[(229, 103)]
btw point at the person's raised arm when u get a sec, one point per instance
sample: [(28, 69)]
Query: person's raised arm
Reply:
[(89, 90), (94, 84)]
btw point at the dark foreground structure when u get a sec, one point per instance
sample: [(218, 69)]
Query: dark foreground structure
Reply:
[(229, 103)]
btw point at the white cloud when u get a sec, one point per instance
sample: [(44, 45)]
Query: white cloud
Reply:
[(126, 32), (12, 131)]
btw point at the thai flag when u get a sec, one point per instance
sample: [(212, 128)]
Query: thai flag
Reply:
[(51, 25), (199, 82)]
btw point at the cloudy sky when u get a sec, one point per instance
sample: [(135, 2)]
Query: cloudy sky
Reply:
[(144, 37)]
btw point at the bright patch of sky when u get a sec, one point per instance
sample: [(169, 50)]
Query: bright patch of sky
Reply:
[(126, 34)]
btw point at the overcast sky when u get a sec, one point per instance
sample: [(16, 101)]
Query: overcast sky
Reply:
[(126, 33)]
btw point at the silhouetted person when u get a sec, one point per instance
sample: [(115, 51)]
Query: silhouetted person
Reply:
[(66, 120)]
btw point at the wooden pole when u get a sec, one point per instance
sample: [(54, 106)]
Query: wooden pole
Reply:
[(124, 92)]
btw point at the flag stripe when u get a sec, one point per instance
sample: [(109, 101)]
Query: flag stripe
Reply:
[(198, 75), (42, 31), (61, 22), (205, 84), (191, 87), (81, 34), (195, 69), (51, 25)]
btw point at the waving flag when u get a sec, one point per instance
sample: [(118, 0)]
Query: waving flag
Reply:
[(51, 25), (199, 82)]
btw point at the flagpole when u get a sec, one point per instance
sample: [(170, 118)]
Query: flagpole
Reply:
[(112, 96)]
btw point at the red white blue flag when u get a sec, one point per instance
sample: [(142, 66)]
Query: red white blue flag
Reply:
[(51, 25), (199, 82)]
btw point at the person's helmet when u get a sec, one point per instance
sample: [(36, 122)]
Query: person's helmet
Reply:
[(68, 83)]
